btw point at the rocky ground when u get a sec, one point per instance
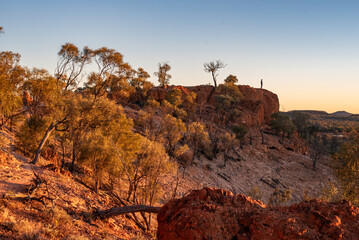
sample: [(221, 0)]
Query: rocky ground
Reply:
[(218, 215), (262, 169)]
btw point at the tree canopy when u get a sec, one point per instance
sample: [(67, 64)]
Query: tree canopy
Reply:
[(162, 74), (212, 67)]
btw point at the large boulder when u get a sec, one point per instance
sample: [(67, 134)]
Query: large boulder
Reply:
[(218, 214)]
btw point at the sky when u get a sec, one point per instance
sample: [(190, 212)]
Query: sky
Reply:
[(306, 51)]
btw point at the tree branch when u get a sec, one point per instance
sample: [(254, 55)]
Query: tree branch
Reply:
[(124, 210)]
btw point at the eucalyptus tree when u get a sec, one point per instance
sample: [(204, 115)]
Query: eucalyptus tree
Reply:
[(162, 74), (212, 67), (71, 64), (60, 107), (12, 77), (346, 165)]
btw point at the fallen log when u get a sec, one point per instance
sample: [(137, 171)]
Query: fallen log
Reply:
[(124, 210)]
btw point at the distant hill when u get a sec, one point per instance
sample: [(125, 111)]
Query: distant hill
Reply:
[(324, 113), (341, 114), (310, 112)]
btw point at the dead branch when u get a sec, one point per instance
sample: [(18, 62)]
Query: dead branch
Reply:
[(29, 199), (238, 155), (126, 209)]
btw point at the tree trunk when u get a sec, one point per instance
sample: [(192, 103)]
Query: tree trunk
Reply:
[(11, 124), (214, 80), (73, 157), (43, 141), (63, 154), (315, 163), (211, 93)]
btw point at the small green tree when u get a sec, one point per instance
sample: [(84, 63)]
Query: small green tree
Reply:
[(189, 103), (231, 79), (12, 76), (301, 123), (240, 131), (29, 136), (226, 102), (174, 96), (162, 74), (173, 130), (317, 149), (97, 152), (141, 85), (346, 165), (227, 142), (197, 136), (282, 123), (280, 197)]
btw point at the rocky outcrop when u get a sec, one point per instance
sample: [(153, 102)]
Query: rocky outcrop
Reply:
[(218, 214), (256, 106)]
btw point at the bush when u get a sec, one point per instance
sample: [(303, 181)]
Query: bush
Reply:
[(280, 197), (30, 135), (255, 193), (240, 131)]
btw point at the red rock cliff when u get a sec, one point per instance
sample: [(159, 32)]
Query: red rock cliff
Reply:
[(257, 105), (218, 214)]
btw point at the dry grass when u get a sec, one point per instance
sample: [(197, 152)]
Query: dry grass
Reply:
[(28, 230)]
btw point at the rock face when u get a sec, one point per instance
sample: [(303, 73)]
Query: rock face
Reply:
[(256, 106), (218, 214)]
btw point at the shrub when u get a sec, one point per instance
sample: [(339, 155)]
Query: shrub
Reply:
[(280, 197)]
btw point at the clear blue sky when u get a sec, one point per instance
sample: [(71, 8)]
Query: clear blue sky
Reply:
[(307, 51)]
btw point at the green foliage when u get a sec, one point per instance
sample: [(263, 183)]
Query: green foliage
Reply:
[(231, 79), (43, 89), (11, 78), (347, 169), (173, 130), (10, 101), (151, 165), (302, 124), (197, 136), (140, 84), (240, 131), (71, 64), (318, 149), (330, 193), (30, 134), (174, 97), (189, 103), (226, 142), (282, 123), (96, 151), (226, 101), (151, 105)]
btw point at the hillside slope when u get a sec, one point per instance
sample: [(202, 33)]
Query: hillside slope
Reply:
[(262, 168), (49, 202), (44, 202)]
